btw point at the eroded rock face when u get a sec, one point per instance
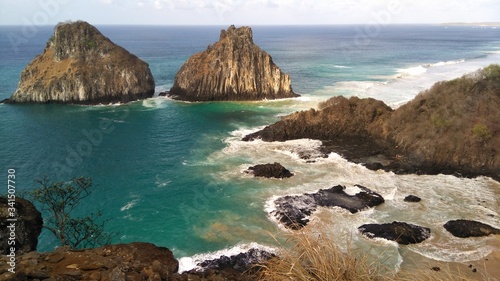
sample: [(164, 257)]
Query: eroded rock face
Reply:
[(293, 211), (275, 170), (81, 66), (135, 261), (468, 228), (234, 68), (27, 227), (401, 232)]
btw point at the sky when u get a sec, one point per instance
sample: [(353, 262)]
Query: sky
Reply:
[(250, 12)]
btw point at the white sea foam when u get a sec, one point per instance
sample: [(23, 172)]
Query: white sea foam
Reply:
[(190, 263), (408, 82)]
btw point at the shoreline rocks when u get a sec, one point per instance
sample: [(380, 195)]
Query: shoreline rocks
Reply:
[(401, 232), (134, 261), (293, 211), (232, 69), (450, 129), (81, 66), (469, 228), (275, 170)]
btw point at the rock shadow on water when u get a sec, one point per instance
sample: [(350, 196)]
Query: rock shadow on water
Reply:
[(294, 211)]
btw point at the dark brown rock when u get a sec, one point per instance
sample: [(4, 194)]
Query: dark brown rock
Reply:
[(269, 170), (401, 232), (468, 228), (27, 228), (412, 199), (234, 68), (81, 66), (134, 261)]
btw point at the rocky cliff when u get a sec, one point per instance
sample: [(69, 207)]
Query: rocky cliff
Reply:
[(23, 233), (453, 127), (232, 69), (81, 66)]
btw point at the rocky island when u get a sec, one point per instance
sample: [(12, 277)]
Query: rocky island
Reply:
[(451, 128), (232, 69), (81, 66)]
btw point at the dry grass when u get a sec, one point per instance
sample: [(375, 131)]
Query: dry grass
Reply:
[(313, 256)]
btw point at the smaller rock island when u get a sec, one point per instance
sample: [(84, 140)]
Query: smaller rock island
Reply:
[(232, 69), (81, 66)]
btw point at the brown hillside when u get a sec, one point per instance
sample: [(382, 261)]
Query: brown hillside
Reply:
[(452, 127)]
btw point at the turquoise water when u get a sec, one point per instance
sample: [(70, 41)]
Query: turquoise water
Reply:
[(171, 173)]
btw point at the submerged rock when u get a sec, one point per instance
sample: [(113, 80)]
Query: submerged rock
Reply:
[(269, 170), (401, 232), (234, 68), (468, 228), (293, 211), (27, 227), (81, 66)]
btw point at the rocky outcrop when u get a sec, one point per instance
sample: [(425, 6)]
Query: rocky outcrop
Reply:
[(81, 66), (293, 211), (26, 228), (451, 128), (269, 170), (242, 267), (234, 68), (135, 261), (401, 232), (468, 228)]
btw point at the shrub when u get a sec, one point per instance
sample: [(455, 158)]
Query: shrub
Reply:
[(59, 200)]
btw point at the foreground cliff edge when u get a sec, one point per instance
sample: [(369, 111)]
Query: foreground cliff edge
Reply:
[(454, 127), (232, 69), (81, 66)]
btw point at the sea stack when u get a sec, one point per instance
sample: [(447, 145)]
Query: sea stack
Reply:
[(81, 66), (233, 69)]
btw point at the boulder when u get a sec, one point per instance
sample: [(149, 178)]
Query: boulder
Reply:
[(412, 199), (27, 227), (269, 170), (293, 211), (81, 66), (469, 228), (234, 68), (401, 232)]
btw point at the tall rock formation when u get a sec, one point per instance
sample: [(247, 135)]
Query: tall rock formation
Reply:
[(232, 69), (81, 66)]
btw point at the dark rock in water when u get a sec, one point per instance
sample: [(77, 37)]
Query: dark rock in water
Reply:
[(401, 232), (275, 170), (232, 69), (81, 66), (412, 198), (293, 211), (163, 94), (374, 166), (239, 262), (241, 267), (336, 196), (468, 228), (27, 227)]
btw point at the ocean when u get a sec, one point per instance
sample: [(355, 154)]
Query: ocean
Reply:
[(172, 173)]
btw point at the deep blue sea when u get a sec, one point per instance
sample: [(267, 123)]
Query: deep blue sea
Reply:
[(172, 173)]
